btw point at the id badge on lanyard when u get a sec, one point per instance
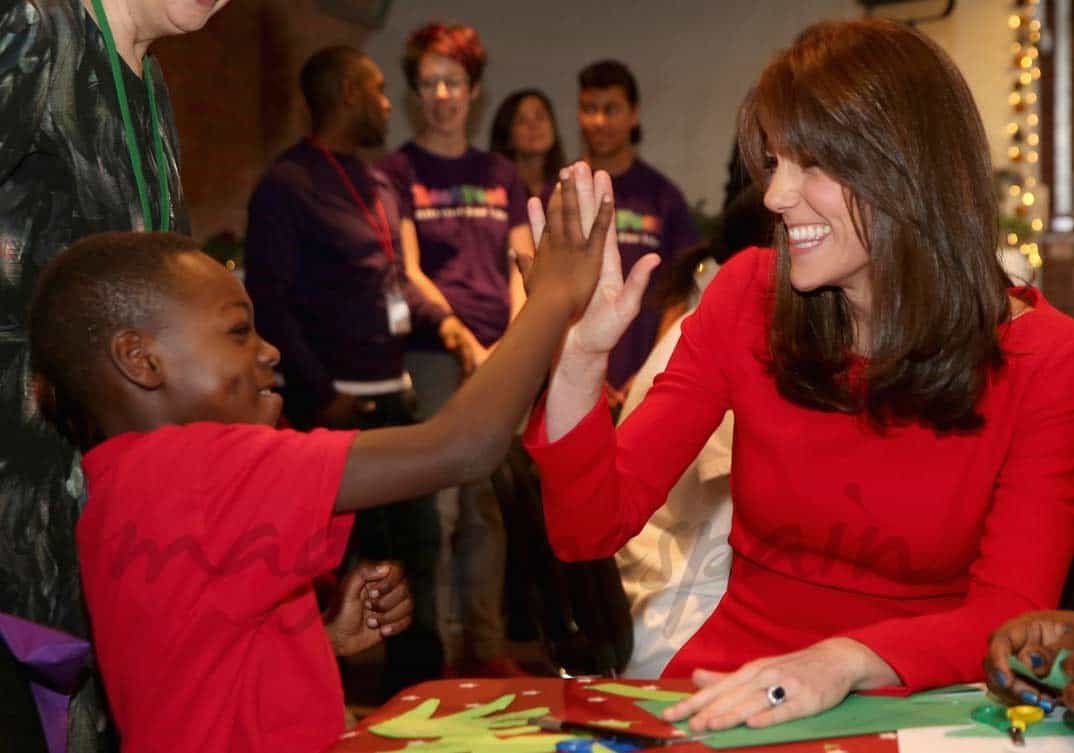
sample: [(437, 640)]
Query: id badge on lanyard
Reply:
[(394, 302), (398, 309)]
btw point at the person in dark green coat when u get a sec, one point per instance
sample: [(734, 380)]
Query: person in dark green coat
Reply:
[(87, 144)]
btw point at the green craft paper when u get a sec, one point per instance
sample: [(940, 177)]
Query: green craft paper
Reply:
[(633, 691), (489, 743), (476, 723), (1056, 678), (856, 715)]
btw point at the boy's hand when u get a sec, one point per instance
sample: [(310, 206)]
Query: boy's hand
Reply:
[(1035, 638), (375, 603), (566, 256)]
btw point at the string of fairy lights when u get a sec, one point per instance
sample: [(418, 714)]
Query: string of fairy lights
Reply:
[(1022, 205)]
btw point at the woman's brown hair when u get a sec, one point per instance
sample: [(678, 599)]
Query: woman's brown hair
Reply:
[(883, 111)]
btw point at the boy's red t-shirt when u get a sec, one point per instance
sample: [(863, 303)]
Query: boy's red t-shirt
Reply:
[(198, 546)]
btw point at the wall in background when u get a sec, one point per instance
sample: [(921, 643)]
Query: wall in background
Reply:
[(235, 90)]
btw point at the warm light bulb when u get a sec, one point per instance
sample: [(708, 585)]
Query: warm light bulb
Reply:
[(1032, 119), (1028, 199), (1015, 189), (1014, 22), (1014, 152), (1037, 224), (1014, 99), (1031, 98), (1012, 239), (1026, 78), (1033, 139), (1032, 157)]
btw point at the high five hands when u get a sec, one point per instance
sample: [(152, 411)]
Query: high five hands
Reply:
[(615, 302)]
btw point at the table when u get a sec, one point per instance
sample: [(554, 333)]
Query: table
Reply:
[(570, 699)]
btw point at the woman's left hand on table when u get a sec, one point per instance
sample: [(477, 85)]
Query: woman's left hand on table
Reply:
[(812, 680)]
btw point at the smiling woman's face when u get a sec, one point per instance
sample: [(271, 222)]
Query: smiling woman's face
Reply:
[(821, 236)]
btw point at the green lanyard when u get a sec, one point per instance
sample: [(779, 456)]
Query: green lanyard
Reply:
[(128, 126)]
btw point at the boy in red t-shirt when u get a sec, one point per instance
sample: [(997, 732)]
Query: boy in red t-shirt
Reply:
[(205, 525)]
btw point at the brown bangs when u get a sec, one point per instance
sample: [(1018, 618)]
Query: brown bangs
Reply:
[(774, 120)]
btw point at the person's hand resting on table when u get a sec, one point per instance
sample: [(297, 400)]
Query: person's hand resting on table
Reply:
[(778, 689), (374, 603), (1035, 638)]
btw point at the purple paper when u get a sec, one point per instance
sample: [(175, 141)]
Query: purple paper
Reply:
[(56, 662)]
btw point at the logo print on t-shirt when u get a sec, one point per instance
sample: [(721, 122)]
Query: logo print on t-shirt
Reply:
[(638, 229), (459, 201)]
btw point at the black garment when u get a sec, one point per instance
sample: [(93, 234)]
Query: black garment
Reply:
[(20, 725), (317, 273), (409, 532), (64, 173)]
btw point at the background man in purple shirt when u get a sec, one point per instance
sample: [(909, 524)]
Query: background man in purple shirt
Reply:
[(651, 213), (325, 273)]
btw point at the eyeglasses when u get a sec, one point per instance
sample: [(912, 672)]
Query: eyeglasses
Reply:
[(453, 84)]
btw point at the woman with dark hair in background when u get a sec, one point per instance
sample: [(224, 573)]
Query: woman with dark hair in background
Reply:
[(903, 468), (462, 211), (524, 131)]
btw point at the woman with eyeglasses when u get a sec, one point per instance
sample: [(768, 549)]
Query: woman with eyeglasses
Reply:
[(465, 212)]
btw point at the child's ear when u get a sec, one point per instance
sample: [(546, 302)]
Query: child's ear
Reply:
[(133, 354)]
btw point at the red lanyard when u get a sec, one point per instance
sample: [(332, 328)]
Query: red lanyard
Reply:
[(379, 223)]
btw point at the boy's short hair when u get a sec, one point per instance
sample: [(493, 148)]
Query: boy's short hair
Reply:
[(98, 286), (604, 74)]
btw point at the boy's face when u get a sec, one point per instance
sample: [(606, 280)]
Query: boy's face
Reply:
[(215, 367)]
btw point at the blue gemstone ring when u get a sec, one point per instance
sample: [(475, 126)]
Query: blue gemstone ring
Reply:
[(775, 695)]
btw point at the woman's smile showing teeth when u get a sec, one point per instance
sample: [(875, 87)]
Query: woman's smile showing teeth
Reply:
[(807, 236)]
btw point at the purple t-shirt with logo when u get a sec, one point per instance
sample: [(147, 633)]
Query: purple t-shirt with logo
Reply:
[(463, 209), (651, 215)]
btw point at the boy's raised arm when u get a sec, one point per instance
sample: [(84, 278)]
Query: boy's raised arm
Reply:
[(468, 437)]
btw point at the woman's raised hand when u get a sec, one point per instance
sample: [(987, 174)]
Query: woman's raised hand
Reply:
[(572, 238), (614, 303)]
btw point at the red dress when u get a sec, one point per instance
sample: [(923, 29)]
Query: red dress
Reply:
[(915, 544)]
